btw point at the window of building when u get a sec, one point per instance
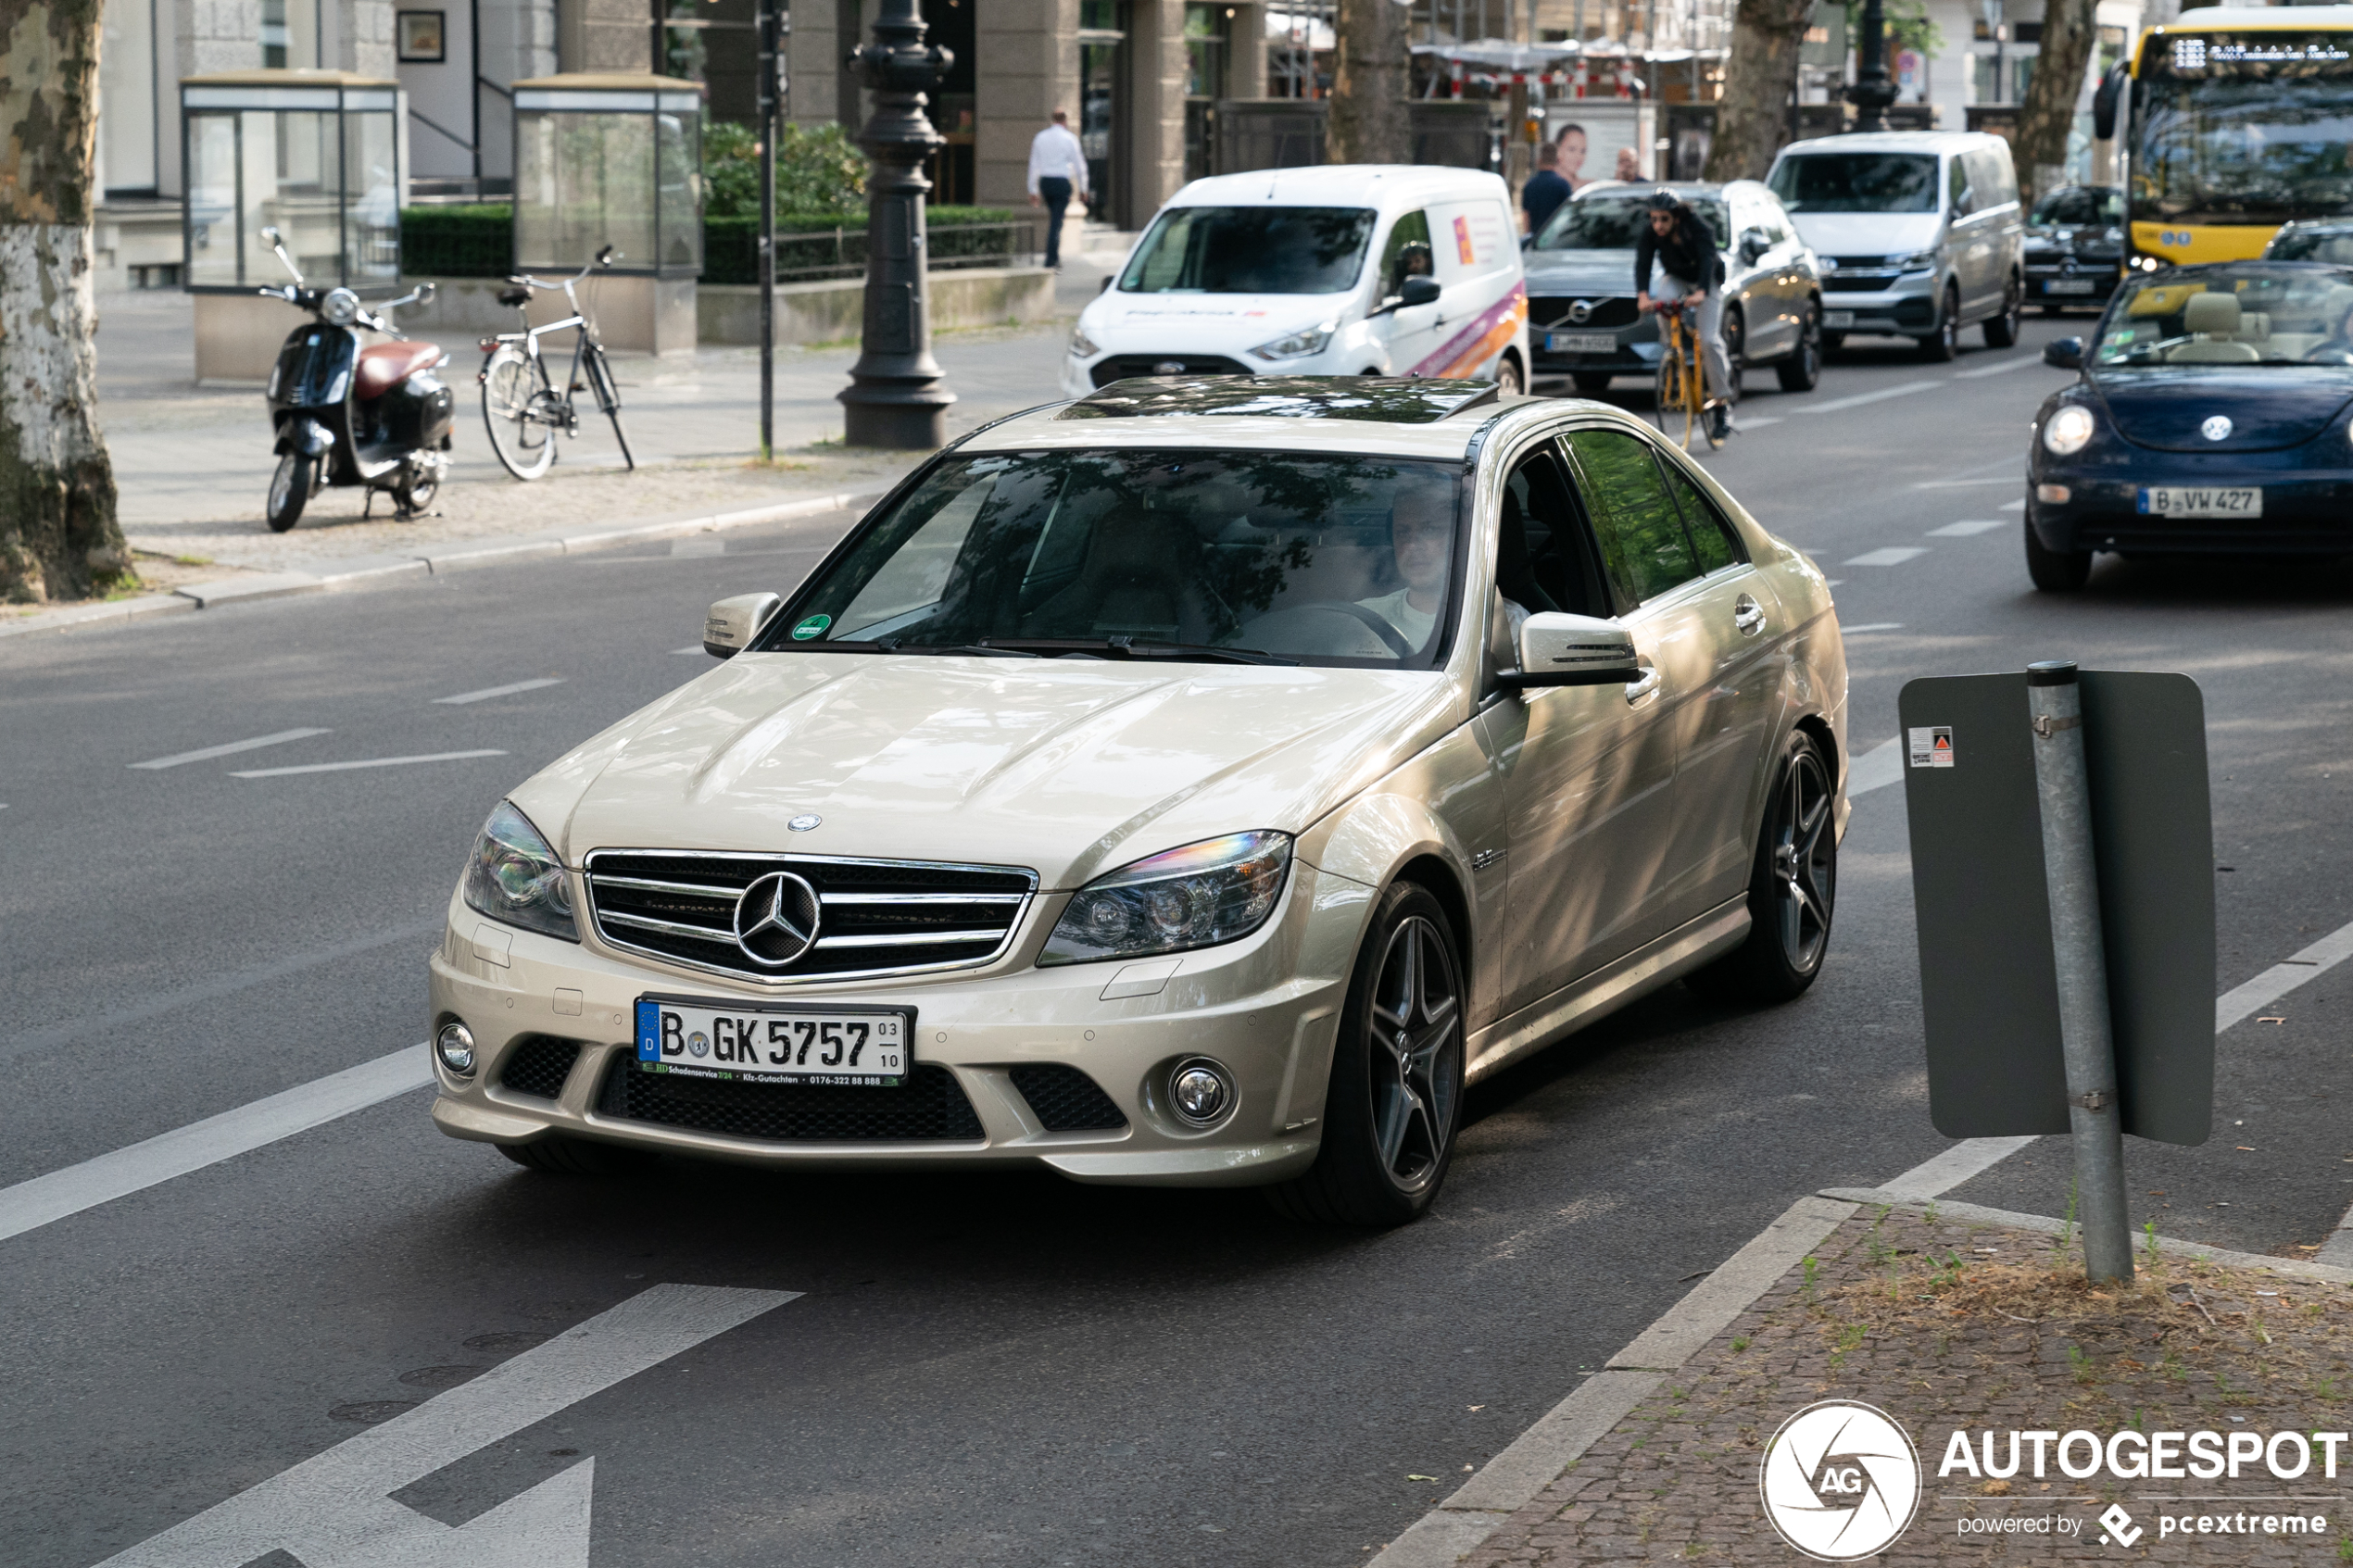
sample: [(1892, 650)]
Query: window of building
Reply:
[(715, 42)]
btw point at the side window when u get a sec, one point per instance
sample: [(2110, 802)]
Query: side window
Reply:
[(1991, 178), (1956, 186), (1636, 523), (1397, 261), (1543, 560), (1713, 544)]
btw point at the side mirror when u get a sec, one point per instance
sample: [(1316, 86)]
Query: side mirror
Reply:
[(1106, 284), (731, 624), (1419, 290), (1754, 244), (1572, 650), (2066, 353)]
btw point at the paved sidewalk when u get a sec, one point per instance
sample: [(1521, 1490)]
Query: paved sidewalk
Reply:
[(1945, 1322)]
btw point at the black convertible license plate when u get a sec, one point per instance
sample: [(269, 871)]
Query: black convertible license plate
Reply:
[(844, 1047)]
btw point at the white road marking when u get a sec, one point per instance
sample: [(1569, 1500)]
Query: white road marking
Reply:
[(1970, 1157), (334, 1510), (706, 544), (2016, 506), (696, 648), (363, 762), (1963, 529), (1760, 423), (1965, 483), (30, 1205), (2241, 1001), (1894, 555), (2004, 367), (1838, 404), (1876, 768), (210, 752), (1873, 626), (1833, 581), (488, 692)]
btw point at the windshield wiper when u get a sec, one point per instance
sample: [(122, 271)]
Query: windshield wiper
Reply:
[(983, 648), (1128, 648)]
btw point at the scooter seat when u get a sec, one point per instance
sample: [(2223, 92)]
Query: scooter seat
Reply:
[(384, 366)]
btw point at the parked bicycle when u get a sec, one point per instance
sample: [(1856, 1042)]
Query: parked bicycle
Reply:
[(521, 403), (1682, 380)]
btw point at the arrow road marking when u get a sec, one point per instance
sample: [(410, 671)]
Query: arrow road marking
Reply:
[(335, 1510)]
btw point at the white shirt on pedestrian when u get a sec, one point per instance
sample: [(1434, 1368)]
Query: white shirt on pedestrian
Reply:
[(1054, 152)]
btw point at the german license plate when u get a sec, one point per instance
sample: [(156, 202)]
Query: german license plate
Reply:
[(842, 1048), (2183, 501), (1580, 343), (1838, 317), (2067, 285)]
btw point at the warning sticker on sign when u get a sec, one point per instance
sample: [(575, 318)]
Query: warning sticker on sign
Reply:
[(1931, 746)]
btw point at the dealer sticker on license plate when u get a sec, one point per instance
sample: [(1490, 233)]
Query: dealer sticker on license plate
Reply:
[(2183, 501), (2067, 285), (1580, 343), (1838, 317), (843, 1048)]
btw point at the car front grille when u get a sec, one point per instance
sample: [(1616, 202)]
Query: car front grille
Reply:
[(1859, 282), (1066, 1100), (1120, 367), (1857, 263), (929, 1108), (538, 1066), (1552, 313), (873, 917)]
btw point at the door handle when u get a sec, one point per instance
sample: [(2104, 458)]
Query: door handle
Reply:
[(1637, 690), (1748, 615)]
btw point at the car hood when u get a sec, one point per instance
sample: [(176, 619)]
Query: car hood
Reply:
[(1069, 767), (1176, 322), (2269, 406), (1868, 233), (1579, 271)]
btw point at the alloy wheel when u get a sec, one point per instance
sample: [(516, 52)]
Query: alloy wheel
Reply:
[(1416, 1046), (1805, 860)]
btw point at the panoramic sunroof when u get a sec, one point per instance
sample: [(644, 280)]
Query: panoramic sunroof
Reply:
[(1398, 400)]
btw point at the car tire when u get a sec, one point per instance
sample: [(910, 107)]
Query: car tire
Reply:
[(1735, 351), (2055, 571), (2001, 331), (1792, 886), (1801, 370), (560, 1156), (1509, 381), (1944, 343), (1593, 384), (1396, 1094)]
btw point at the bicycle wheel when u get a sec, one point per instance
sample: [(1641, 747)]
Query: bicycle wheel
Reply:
[(609, 398), (1667, 394), (511, 385)]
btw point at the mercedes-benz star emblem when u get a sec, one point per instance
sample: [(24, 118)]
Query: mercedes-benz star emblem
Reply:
[(1580, 310), (776, 920), (1169, 368), (2216, 427), (806, 821)]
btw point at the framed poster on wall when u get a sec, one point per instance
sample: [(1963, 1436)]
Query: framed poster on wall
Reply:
[(422, 36)]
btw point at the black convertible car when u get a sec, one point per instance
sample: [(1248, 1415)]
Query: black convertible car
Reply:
[(2211, 416)]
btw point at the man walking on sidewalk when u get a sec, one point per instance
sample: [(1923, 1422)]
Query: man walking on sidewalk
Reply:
[(1057, 168)]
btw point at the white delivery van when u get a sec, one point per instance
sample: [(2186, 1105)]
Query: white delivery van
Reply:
[(1353, 269)]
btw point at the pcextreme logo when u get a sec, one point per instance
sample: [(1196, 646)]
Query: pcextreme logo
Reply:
[(1841, 1480)]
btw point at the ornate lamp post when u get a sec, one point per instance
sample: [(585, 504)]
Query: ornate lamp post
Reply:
[(1872, 90), (895, 398)]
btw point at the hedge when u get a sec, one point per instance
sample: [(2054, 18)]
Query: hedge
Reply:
[(478, 242), (457, 242)]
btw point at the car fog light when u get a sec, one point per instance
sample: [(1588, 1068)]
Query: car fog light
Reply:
[(2053, 494), (455, 1045), (1201, 1091)]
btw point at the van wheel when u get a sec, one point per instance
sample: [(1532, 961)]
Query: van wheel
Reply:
[(2001, 331), (1509, 383), (1792, 888), (1946, 341)]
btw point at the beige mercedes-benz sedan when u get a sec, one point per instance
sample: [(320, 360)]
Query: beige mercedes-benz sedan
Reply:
[(1198, 782)]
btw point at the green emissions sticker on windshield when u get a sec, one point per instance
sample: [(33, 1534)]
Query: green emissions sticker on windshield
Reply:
[(812, 627)]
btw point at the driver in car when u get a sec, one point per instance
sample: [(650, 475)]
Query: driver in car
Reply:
[(1421, 532)]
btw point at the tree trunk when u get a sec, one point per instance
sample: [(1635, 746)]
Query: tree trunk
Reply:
[(58, 536), (1371, 115), (1760, 77), (2048, 113)]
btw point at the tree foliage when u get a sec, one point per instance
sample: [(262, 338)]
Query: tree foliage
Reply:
[(819, 168)]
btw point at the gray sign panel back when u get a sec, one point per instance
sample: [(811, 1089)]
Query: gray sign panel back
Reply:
[(1987, 983)]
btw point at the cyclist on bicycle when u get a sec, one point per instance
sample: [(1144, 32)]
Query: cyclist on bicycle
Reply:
[(1677, 243)]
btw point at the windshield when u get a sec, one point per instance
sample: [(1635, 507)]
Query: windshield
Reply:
[(2079, 207), (2334, 243), (1617, 223), (1251, 250), (1857, 182), (1344, 560), (2235, 133), (2230, 316)]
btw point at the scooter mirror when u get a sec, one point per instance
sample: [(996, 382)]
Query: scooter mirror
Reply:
[(270, 234), (424, 293)]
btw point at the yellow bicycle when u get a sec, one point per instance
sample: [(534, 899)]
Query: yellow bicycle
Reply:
[(1682, 382)]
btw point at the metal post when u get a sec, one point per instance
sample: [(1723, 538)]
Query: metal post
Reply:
[(2054, 704), (769, 71), (1872, 90), (896, 398)]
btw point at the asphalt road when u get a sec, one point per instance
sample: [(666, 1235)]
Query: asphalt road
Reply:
[(1001, 1369)]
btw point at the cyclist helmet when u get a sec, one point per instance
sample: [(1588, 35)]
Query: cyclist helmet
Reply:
[(1662, 200)]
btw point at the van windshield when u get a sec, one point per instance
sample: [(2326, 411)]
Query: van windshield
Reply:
[(1251, 250), (1857, 182)]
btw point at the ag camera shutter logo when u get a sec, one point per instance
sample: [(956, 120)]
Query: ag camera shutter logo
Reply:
[(1841, 1480)]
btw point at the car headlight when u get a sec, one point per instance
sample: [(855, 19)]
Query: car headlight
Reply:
[(1919, 261), (513, 876), (1081, 346), (1308, 339), (341, 307), (1195, 896), (2069, 431)]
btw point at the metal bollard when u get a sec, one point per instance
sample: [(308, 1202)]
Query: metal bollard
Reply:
[(2055, 702)]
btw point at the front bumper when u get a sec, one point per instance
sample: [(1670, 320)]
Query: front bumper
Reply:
[(2087, 285), (1906, 307), (1267, 1007), (2305, 513)]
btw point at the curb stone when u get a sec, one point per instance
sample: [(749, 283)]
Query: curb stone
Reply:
[(360, 571)]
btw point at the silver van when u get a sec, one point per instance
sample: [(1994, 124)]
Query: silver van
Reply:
[(1920, 233)]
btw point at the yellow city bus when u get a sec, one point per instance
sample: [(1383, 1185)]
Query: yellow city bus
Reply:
[(2238, 119)]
